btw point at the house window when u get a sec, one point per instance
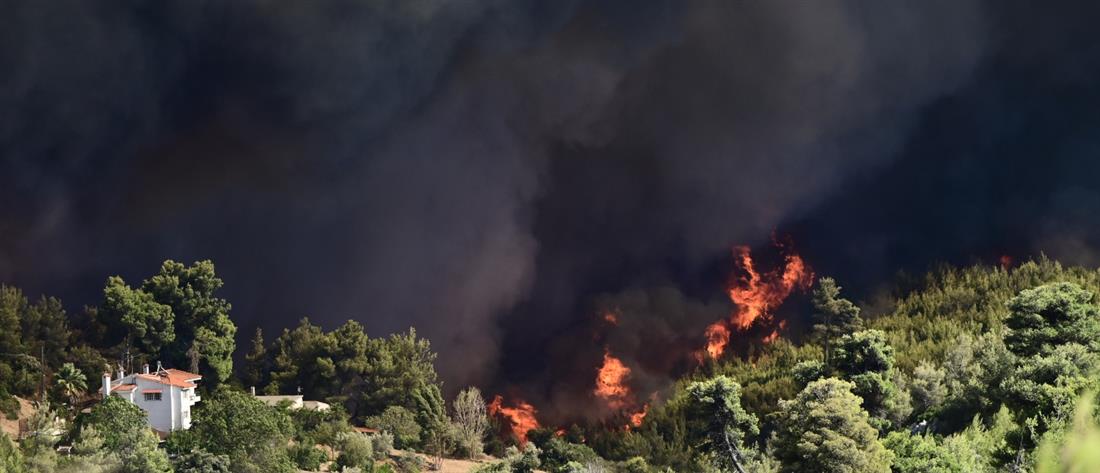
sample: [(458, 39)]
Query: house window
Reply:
[(152, 396)]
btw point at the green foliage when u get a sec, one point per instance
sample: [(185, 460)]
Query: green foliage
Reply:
[(1051, 315), (176, 316), (1048, 385), (139, 454), (834, 316), (355, 451), (70, 382), (309, 457), (148, 323), (866, 360), (117, 420), (401, 423), (922, 454), (927, 321), (381, 444), (256, 362), (714, 406), (927, 388), (201, 461), (557, 455), (250, 433), (1075, 450), (11, 459), (824, 430), (523, 461), (409, 463)]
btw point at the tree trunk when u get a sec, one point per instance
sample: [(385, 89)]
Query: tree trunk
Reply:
[(733, 453)]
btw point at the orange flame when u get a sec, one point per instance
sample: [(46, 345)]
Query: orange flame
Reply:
[(611, 381), (521, 419), (637, 417), (611, 318), (755, 294), (775, 333)]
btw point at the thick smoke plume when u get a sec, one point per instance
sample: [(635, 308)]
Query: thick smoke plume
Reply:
[(485, 170)]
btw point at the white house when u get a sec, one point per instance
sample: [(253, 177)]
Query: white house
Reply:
[(292, 401), (166, 395)]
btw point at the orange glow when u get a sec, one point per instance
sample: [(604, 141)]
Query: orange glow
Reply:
[(637, 417), (718, 336), (775, 333), (611, 381), (521, 418), (1006, 261), (755, 295), (611, 318)]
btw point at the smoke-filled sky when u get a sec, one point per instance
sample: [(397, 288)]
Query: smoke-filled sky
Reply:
[(489, 170)]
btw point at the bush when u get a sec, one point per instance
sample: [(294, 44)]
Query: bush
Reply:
[(201, 461), (381, 445), (401, 423), (307, 457), (355, 451), (410, 463)]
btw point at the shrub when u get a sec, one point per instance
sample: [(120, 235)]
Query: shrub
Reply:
[(355, 451), (307, 457)]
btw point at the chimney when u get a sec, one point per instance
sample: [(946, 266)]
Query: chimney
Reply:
[(145, 368), (106, 384), (253, 389)]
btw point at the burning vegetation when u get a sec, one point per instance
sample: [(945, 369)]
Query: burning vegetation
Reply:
[(519, 419), (755, 295)]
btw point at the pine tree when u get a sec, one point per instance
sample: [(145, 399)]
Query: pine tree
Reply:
[(835, 316), (824, 430), (255, 362)]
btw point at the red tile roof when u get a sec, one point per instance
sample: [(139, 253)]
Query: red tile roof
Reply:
[(173, 377), (124, 387)]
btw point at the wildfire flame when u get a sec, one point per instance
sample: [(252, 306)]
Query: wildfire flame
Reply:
[(521, 418), (637, 417), (611, 318), (755, 294), (775, 333), (611, 382)]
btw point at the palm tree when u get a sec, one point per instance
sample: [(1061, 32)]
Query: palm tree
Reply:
[(71, 383)]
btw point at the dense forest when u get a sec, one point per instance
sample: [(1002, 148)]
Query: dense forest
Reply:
[(977, 369)]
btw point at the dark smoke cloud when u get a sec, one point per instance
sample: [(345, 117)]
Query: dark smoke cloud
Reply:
[(485, 170)]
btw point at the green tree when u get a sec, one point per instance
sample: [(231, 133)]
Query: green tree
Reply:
[(139, 454), (401, 423), (251, 433), (11, 459), (471, 421), (201, 461), (1046, 387), (146, 322), (1054, 331), (355, 451), (867, 360), (1077, 449), (71, 383), (824, 430), (202, 322), (922, 454), (255, 362), (927, 387), (118, 420), (715, 404), (1050, 315), (303, 358), (834, 316), (401, 364)]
